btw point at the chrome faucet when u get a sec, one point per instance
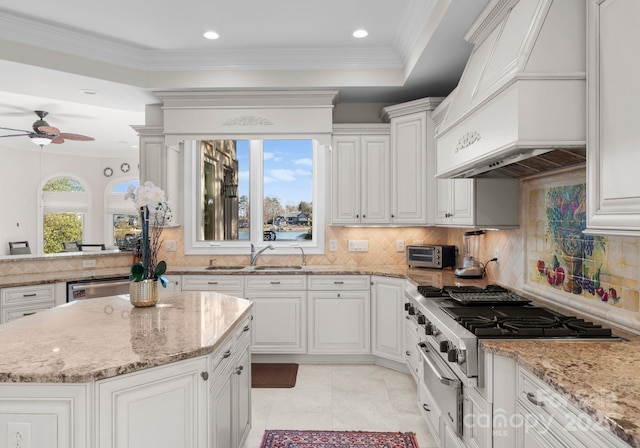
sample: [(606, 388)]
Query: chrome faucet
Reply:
[(301, 250), (255, 255)]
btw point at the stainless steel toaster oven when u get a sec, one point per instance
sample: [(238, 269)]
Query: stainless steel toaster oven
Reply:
[(431, 256)]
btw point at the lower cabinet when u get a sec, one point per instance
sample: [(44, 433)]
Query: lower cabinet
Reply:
[(203, 402), (279, 322), (339, 314), (387, 317), (44, 415), (163, 407), (21, 301), (339, 322), (411, 351), (230, 394)]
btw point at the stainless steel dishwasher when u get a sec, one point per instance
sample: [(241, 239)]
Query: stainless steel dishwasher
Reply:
[(97, 287)]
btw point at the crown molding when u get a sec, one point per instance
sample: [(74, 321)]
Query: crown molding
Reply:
[(252, 98), (421, 105), (487, 21), (361, 128), (31, 32)]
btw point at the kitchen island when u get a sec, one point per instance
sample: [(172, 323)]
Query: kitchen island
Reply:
[(101, 373)]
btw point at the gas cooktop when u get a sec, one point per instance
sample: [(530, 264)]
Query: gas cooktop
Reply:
[(497, 312), (524, 322)]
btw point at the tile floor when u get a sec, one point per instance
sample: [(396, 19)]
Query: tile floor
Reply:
[(341, 397)]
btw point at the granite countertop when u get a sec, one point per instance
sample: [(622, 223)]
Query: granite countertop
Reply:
[(600, 378), (61, 345)]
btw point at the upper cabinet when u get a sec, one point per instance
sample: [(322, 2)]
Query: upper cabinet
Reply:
[(613, 157), (360, 175), (412, 132)]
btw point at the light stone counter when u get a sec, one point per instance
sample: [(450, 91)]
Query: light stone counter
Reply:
[(600, 378), (90, 340)]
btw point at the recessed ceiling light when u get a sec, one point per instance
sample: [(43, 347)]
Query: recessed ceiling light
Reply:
[(360, 33), (89, 91), (212, 35)]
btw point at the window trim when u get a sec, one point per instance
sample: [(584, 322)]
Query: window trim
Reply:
[(256, 188)]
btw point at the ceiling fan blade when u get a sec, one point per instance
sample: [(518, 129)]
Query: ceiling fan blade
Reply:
[(18, 130), (49, 130), (14, 135), (77, 137), (57, 140)]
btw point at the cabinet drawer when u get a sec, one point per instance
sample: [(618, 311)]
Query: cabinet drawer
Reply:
[(22, 311), (212, 282), (339, 282), (25, 294), (243, 334), (221, 357), (562, 418), (275, 282)]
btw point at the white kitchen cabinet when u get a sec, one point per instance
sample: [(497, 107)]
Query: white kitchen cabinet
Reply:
[(549, 419), (387, 298), (280, 313), (613, 190), (232, 285), (20, 301), (160, 407), (360, 177), (411, 340), (339, 314), (412, 139), (230, 392), (174, 284), (429, 410), (481, 202), (44, 415)]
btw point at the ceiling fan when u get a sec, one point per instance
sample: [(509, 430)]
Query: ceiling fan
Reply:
[(43, 134)]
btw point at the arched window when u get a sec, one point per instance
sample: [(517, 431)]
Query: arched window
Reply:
[(65, 205), (122, 226)]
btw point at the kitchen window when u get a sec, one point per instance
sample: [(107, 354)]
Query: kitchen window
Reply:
[(260, 191), (122, 223)]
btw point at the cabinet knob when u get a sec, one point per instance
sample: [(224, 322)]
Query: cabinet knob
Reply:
[(357, 216), (338, 295), (425, 407), (364, 216), (393, 216), (239, 370), (246, 328), (212, 283), (226, 354), (275, 283), (205, 375), (408, 353)]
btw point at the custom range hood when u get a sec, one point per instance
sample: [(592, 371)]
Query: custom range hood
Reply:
[(520, 106)]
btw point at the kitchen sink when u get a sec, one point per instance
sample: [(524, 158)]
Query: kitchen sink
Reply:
[(224, 268)]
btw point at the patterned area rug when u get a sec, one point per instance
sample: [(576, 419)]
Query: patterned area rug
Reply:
[(337, 439)]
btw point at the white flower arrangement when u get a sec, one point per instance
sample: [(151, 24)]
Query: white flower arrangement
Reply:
[(148, 198)]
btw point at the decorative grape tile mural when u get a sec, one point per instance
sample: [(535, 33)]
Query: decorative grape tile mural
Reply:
[(560, 256)]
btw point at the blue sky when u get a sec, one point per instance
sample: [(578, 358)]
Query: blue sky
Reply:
[(287, 169)]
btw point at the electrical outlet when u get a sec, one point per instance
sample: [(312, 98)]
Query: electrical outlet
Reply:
[(170, 246), (400, 246), (88, 263), (333, 245), (18, 435), (496, 254), (358, 246)]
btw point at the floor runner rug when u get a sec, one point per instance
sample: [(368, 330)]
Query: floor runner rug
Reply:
[(337, 439), (275, 375)]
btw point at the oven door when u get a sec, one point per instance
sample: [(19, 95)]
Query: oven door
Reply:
[(444, 386)]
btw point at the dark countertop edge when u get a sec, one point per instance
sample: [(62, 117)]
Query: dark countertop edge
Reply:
[(494, 347), (113, 372)]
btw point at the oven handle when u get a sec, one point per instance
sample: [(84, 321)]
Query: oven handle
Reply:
[(427, 356)]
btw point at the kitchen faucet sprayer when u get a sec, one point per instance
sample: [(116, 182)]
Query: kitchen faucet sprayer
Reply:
[(255, 255)]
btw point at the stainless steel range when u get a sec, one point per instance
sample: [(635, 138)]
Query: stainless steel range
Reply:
[(451, 320)]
